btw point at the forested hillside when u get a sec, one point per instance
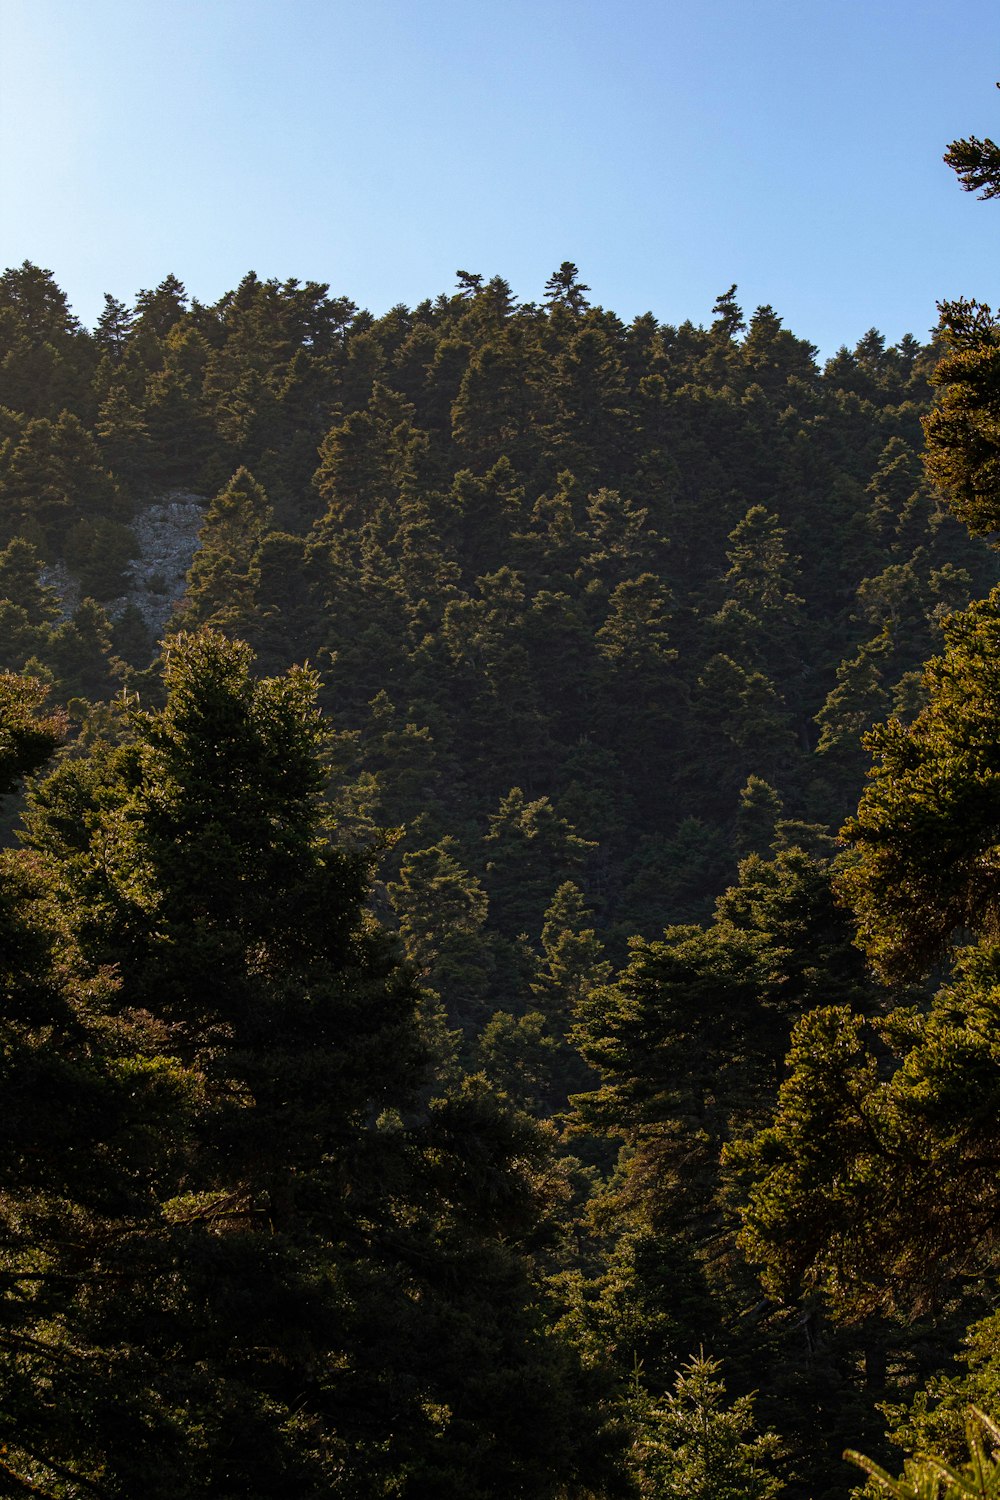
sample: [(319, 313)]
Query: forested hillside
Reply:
[(449, 1049), (590, 602)]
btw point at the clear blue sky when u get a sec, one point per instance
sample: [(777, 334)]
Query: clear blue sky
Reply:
[(669, 147)]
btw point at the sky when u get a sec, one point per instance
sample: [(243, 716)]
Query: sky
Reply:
[(668, 147)]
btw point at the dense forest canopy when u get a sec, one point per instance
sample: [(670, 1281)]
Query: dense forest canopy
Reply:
[(449, 1047)]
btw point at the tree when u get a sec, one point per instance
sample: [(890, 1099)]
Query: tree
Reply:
[(929, 821), (45, 357), (362, 457), (963, 455), (113, 327), (179, 428), (28, 736), (977, 164), (209, 881), (490, 416), (867, 1180), (774, 354), (21, 583), (532, 851), (124, 438), (757, 820), (442, 915), (159, 310), (344, 1289), (634, 637), (531, 1057), (572, 962), (688, 1043), (565, 287), (98, 551), (868, 1185), (690, 1444), (78, 653), (929, 1476), (53, 474), (761, 573), (761, 621), (858, 701), (728, 315), (743, 729), (31, 294), (95, 1121), (221, 581)]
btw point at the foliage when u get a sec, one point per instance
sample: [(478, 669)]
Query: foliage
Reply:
[(689, 1443), (929, 1477), (927, 826), (272, 1246), (600, 611)]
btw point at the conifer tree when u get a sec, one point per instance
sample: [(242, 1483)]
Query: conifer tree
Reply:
[(343, 1289), (690, 1443), (221, 582), (564, 286)]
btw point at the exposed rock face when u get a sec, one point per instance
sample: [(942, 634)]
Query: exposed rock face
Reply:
[(167, 534), (57, 576)]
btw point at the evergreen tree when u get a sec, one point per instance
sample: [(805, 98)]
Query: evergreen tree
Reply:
[(442, 912), (565, 287), (223, 575), (689, 1443), (113, 327), (123, 435), (50, 475), (159, 310), (174, 411), (296, 1281), (927, 821), (531, 852)]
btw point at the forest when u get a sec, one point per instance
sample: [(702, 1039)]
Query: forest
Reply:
[(501, 995)]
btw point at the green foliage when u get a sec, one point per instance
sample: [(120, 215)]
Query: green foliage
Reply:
[(578, 594), (934, 1418), (929, 1477), (688, 1045), (21, 584), (962, 451), (869, 1180), (545, 534), (28, 736), (97, 552), (927, 824), (531, 852), (572, 954), (442, 911), (278, 1247), (634, 636), (690, 1443), (758, 816), (977, 164), (225, 571), (50, 474), (519, 1054)]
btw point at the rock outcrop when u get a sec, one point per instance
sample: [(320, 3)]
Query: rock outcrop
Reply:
[(167, 535)]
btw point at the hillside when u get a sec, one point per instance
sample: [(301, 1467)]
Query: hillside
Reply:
[(598, 614)]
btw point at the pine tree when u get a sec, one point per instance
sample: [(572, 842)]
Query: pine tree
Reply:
[(344, 1289), (223, 575), (565, 287), (690, 1443), (442, 911), (532, 851)]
